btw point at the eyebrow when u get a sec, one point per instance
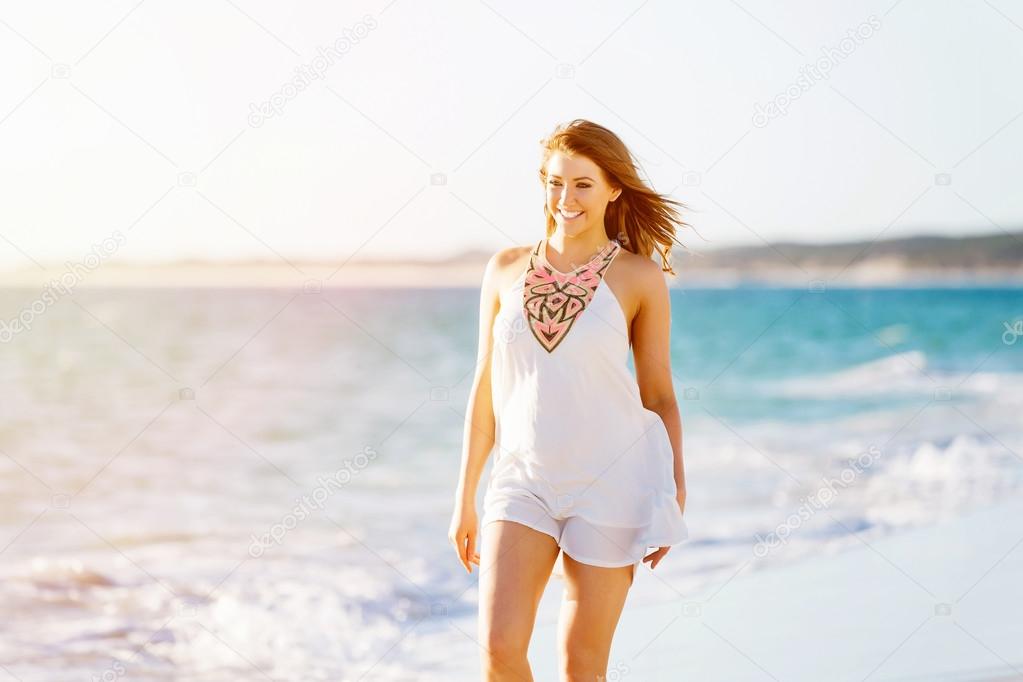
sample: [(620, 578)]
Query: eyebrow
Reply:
[(582, 178)]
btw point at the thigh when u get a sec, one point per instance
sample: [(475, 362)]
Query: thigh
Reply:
[(592, 604), (515, 565)]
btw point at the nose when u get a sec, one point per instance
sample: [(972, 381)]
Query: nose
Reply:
[(566, 196)]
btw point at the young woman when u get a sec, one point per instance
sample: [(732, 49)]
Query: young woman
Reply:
[(589, 459)]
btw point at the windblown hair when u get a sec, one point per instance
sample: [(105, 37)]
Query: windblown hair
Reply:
[(640, 219)]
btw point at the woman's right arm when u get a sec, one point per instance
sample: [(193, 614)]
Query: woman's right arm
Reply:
[(479, 430)]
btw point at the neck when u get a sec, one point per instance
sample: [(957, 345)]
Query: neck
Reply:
[(576, 248)]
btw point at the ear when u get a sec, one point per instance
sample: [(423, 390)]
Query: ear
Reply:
[(615, 194)]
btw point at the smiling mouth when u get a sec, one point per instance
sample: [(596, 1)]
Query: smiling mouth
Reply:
[(569, 215)]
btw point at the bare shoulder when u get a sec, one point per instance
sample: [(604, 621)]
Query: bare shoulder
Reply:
[(508, 258), (634, 279), (506, 265), (639, 266)]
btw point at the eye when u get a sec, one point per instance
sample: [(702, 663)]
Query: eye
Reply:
[(584, 186)]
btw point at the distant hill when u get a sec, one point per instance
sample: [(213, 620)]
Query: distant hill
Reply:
[(927, 257), (986, 251)]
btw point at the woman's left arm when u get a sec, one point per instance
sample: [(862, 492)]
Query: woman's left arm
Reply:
[(651, 350)]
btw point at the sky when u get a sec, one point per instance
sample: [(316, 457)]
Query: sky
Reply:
[(228, 129)]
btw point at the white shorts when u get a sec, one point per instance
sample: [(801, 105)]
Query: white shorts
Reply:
[(583, 541)]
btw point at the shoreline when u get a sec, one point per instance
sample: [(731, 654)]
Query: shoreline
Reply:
[(934, 602)]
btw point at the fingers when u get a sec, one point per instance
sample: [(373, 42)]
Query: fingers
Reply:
[(470, 552), (459, 543), (465, 546), (463, 553), (655, 557)]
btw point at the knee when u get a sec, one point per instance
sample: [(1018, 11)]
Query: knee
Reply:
[(504, 647), (583, 664)]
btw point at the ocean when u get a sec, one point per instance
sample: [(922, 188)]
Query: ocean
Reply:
[(225, 484)]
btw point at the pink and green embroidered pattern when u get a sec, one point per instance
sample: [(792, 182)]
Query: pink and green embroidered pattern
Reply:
[(554, 300)]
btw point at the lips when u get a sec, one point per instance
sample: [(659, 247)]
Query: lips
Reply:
[(569, 215)]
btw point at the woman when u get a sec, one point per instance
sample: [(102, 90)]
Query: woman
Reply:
[(589, 459)]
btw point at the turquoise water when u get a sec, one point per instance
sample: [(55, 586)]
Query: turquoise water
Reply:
[(742, 346), (156, 441)]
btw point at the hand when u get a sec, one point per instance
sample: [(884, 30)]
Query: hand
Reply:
[(655, 557), (462, 534)]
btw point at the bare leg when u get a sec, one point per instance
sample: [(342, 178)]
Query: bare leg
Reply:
[(515, 565), (592, 603)]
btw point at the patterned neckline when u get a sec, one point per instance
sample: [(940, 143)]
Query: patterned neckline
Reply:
[(554, 300)]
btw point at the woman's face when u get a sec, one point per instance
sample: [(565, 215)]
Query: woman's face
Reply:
[(577, 193)]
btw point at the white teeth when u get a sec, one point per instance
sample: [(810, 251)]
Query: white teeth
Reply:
[(566, 214)]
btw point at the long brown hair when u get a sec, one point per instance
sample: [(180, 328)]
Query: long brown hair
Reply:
[(640, 219)]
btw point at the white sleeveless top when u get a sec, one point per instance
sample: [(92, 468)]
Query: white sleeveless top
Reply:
[(572, 435)]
